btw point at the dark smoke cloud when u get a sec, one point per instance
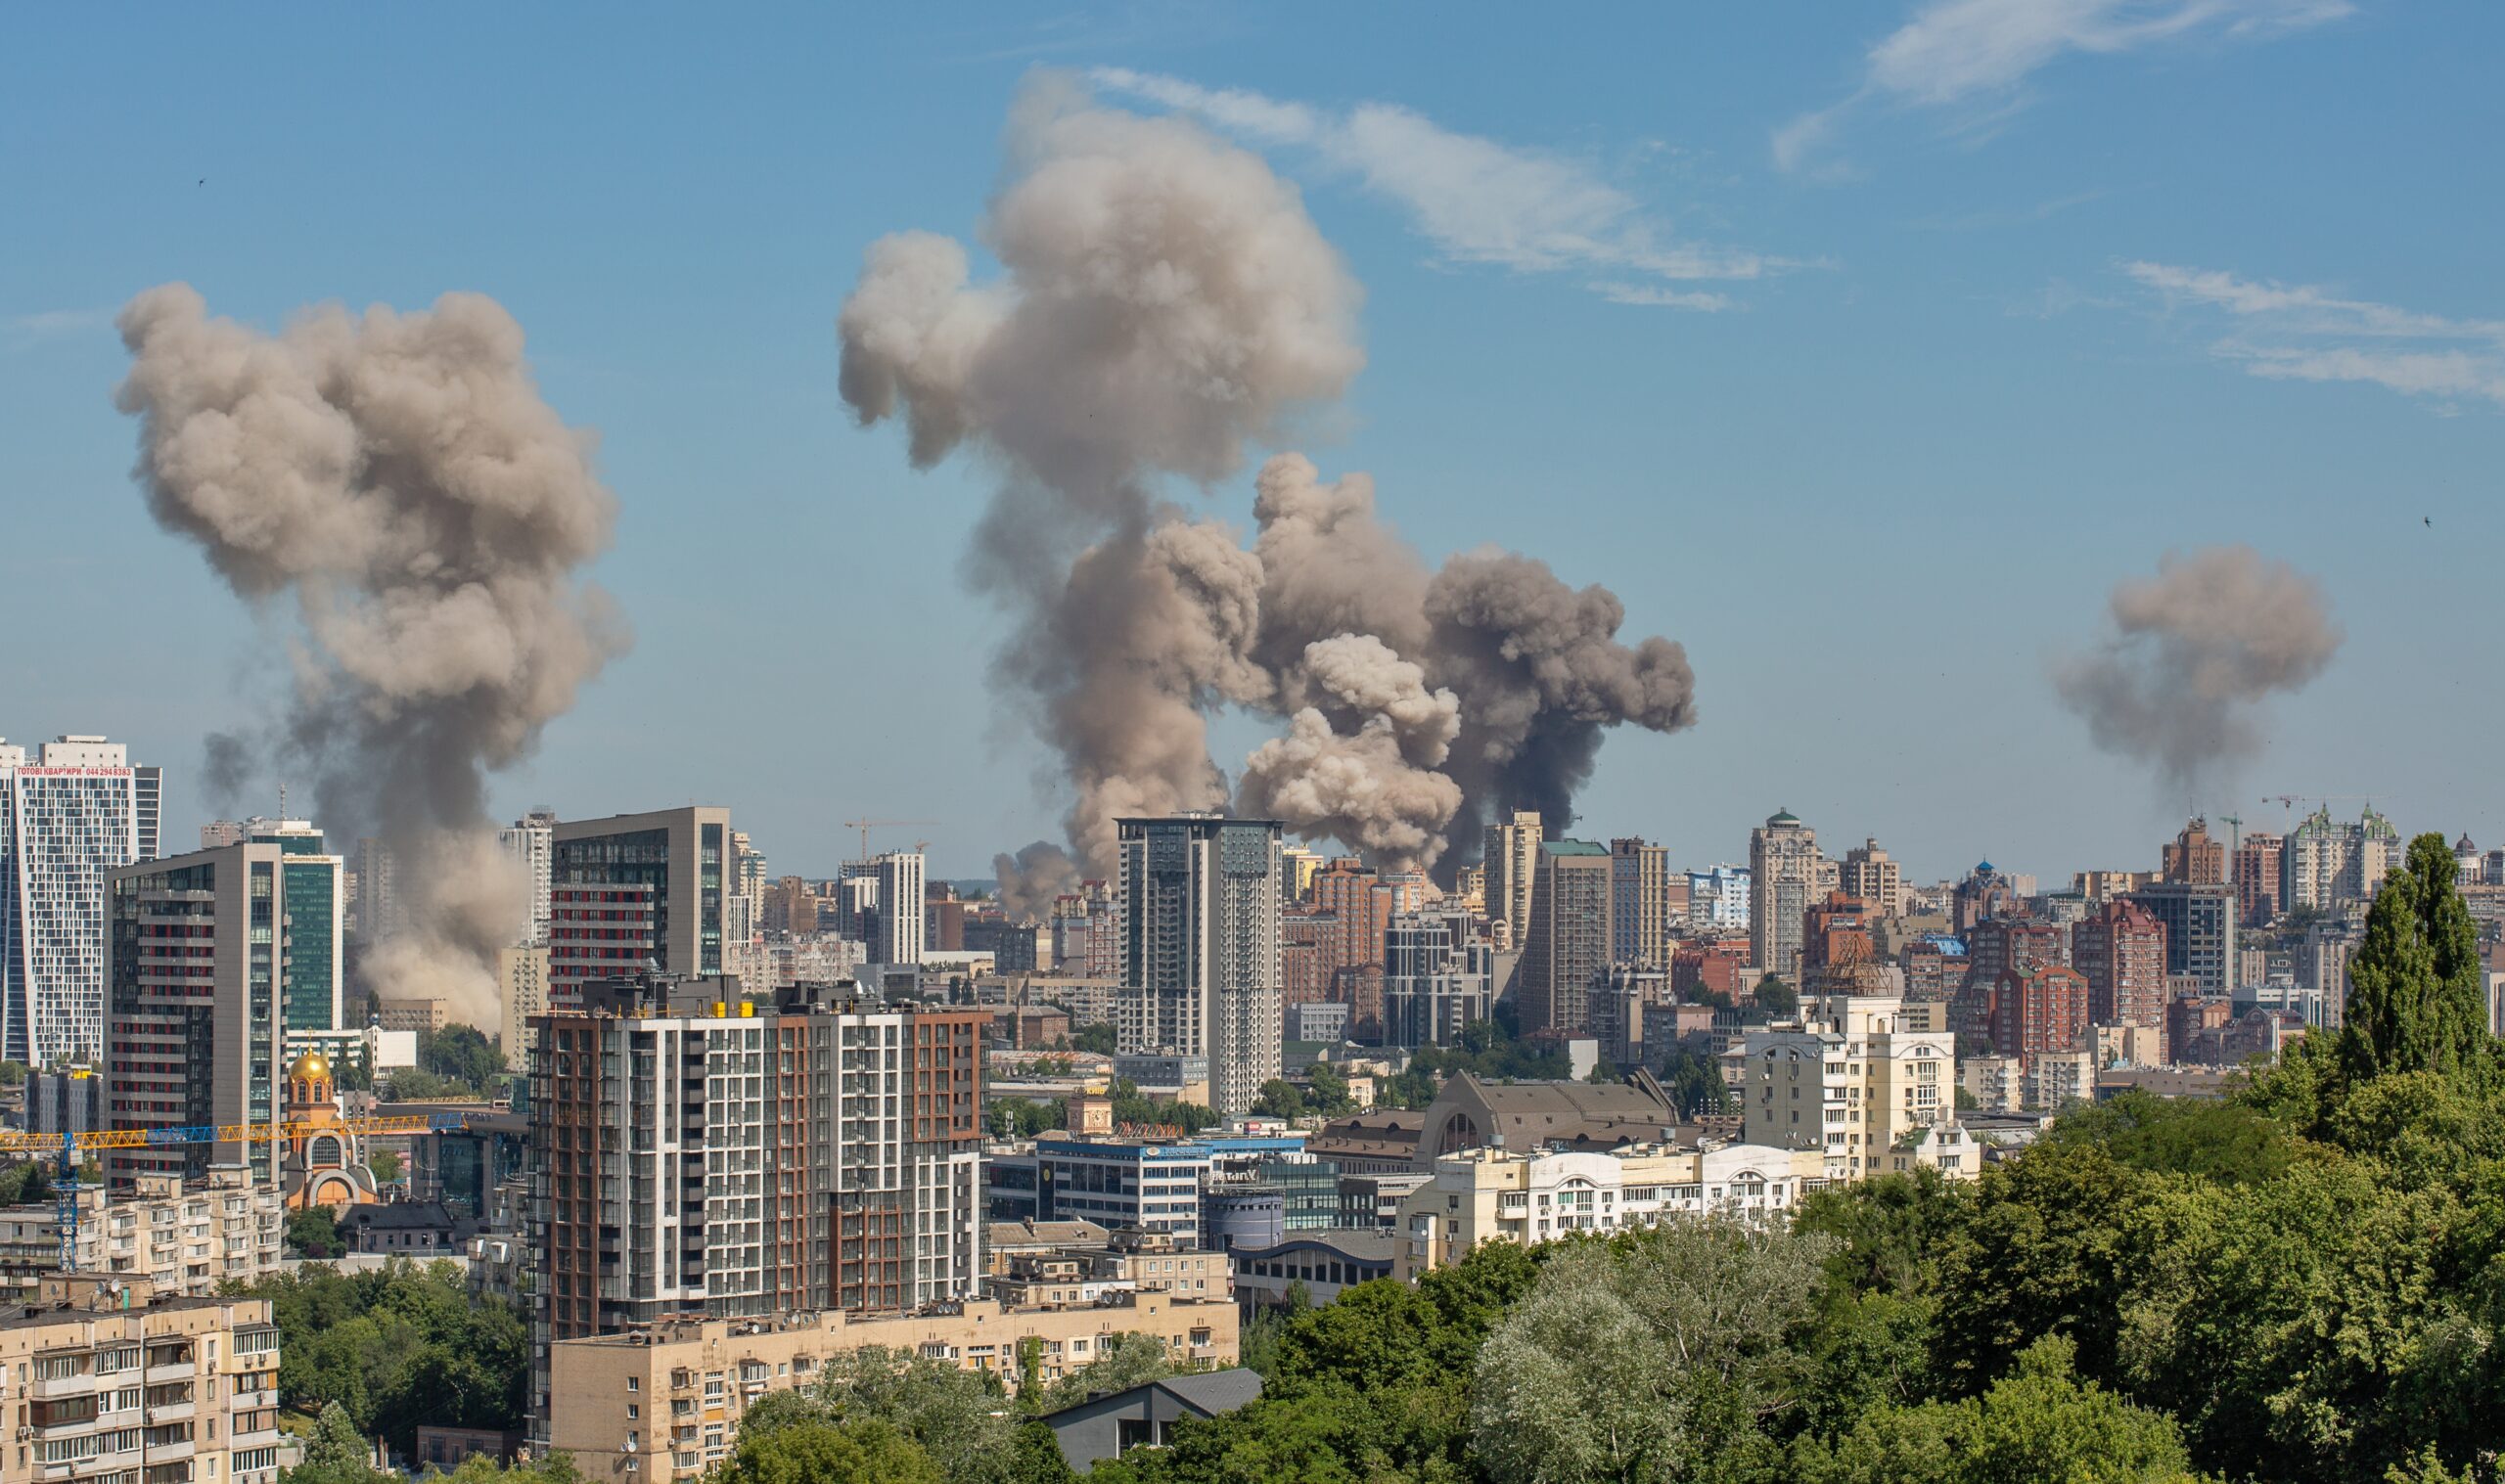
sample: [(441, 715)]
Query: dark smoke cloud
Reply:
[(1166, 302), (2193, 654), (400, 478), (226, 769)]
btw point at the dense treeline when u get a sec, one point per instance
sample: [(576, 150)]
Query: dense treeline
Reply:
[(398, 1347)]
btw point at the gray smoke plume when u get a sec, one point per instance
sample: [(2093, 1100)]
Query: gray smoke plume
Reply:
[(1541, 675), (2193, 654), (226, 769), (1535, 666), (1168, 301), (1032, 879), (399, 476)]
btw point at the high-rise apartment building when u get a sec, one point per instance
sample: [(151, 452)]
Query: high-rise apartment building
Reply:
[(1201, 948), (1640, 916), (67, 817), (531, 842), (377, 899), (684, 855), (599, 930), (2323, 864), (695, 1154), (1720, 897), (2039, 1009), (1296, 867), (1786, 874), (1856, 1078), (522, 982), (1439, 969), (898, 939), (1569, 936), (2200, 924), (2193, 857), (1871, 874), (2257, 878), (1512, 863), (2119, 950), (198, 951), (313, 896)]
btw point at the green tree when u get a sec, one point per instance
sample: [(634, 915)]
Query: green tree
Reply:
[(461, 1053), (1035, 1458), (314, 1231), (1098, 1039), (26, 1183), (1775, 997), (2417, 990), (1122, 1360), (13, 1074), (1694, 1081), (1279, 1097), (335, 1453), (866, 1451), (384, 1164), (958, 1418), (1327, 1091), (2038, 1425), (1647, 1356)]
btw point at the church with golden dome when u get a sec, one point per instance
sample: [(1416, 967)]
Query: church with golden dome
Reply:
[(325, 1160)]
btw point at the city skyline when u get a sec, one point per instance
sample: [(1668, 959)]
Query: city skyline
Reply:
[(2044, 243)]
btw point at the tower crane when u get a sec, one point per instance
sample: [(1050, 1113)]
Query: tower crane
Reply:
[(866, 826), (2288, 802), (69, 1147)]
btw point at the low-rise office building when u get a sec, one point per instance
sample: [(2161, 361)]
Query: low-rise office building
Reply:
[(671, 1395), (1482, 1196)]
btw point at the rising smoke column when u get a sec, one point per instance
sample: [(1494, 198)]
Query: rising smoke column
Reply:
[(1166, 300), (1535, 664), (399, 476), (2193, 654)]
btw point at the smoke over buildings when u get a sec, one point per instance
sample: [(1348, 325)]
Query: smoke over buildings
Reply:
[(1165, 305), (2193, 654), (398, 477)]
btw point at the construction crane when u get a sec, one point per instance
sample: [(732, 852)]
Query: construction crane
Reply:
[(70, 1146), (2288, 802), (866, 826)]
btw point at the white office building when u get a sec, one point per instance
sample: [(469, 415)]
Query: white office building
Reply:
[(532, 842), (1200, 969), (901, 915), (76, 811)]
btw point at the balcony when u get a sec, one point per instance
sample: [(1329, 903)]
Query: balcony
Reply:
[(165, 1372)]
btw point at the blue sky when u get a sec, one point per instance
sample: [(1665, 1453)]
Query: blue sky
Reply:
[(1971, 311)]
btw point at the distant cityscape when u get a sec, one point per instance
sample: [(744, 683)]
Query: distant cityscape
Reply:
[(745, 1118)]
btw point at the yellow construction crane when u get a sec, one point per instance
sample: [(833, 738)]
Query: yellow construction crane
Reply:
[(866, 826)]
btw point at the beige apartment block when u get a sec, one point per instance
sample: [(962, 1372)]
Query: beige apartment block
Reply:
[(1867, 1078), (161, 1392), (177, 1238), (670, 1395)]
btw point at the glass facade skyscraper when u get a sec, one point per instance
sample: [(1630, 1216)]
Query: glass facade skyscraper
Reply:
[(73, 813)]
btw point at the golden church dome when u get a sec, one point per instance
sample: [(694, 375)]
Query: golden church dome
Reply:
[(310, 1065)]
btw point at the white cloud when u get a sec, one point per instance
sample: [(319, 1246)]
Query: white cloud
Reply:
[(1982, 52), (1479, 201), (2305, 332), (25, 331), (1661, 298)]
